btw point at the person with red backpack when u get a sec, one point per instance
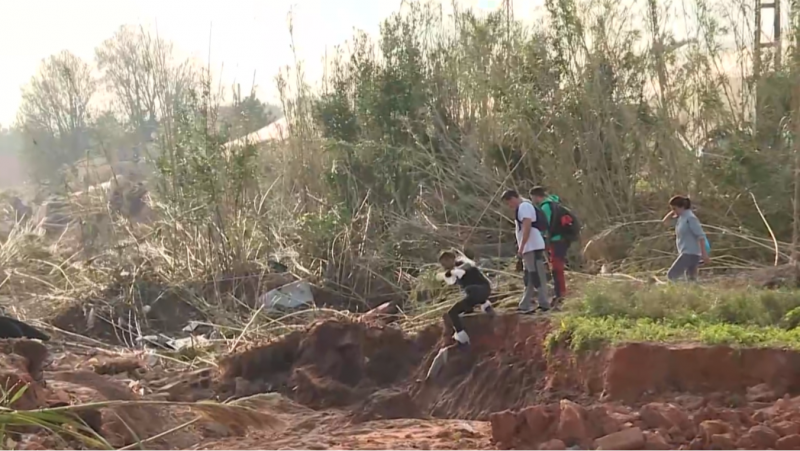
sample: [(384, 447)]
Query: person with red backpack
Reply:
[(563, 228), (530, 224)]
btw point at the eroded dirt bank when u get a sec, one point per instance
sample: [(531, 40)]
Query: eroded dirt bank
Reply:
[(358, 385), (535, 396)]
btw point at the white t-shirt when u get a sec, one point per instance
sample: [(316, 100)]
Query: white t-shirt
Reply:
[(535, 240)]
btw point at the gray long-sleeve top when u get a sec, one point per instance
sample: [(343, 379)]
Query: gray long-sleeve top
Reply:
[(688, 232)]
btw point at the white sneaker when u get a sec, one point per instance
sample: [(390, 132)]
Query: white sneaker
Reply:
[(461, 337)]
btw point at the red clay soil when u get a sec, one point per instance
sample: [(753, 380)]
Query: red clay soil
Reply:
[(329, 432), (357, 385), (628, 397), (337, 364)]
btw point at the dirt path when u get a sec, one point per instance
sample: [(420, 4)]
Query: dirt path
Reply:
[(382, 434)]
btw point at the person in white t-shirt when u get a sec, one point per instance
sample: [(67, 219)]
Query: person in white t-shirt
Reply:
[(531, 249)]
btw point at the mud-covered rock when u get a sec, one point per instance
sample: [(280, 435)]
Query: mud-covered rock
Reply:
[(655, 440), (784, 428), (763, 437), (505, 425), (572, 427), (632, 438), (788, 442), (554, 444), (709, 428), (666, 416), (537, 420)]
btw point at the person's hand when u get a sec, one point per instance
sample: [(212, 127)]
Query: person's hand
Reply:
[(520, 250), (705, 259)]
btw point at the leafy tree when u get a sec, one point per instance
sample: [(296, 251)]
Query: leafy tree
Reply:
[(55, 113), (140, 71)]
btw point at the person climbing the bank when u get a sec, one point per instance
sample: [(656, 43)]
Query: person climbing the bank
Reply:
[(690, 240), (563, 228), (530, 248), (476, 287)]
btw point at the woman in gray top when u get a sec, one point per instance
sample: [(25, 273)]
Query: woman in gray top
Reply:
[(689, 237)]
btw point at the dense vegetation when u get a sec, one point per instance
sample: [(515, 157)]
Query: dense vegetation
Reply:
[(405, 148)]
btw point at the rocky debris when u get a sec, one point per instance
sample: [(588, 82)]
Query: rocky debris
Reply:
[(572, 427), (655, 426), (788, 442), (762, 393), (762, 437)]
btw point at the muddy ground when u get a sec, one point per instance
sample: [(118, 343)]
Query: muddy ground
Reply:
[(357, 385)]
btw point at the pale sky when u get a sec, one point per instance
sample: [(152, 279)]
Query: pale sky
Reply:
[(243, 36), (247, 36)]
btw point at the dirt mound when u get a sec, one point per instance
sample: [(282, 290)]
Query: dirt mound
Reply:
[(332, 363)]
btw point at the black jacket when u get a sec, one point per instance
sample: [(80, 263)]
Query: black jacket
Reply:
[(472, 275)]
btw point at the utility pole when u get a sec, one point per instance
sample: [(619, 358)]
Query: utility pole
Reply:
[(794, 20), (759, 44)]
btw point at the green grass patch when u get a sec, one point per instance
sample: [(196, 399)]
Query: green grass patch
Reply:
[(613, 312), (690, 304), (583, 333)]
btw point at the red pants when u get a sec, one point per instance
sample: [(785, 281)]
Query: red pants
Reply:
[(558, 261)]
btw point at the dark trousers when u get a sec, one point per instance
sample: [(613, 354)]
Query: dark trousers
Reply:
[(685, 265), (473, 295), (558, 262)]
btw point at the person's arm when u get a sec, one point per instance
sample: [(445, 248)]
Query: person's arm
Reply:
[(454, 275), (527, 214), (526, 233), (697, 231), (669, 217)]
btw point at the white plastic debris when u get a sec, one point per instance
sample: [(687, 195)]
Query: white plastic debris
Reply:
[(438, 362), (190, 342), (290, 296)]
